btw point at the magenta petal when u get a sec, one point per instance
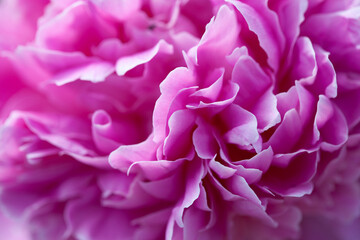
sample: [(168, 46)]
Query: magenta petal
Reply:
[(12, 229), (307, 103), (252, 80), (185, 40), (152, 225), (63, 67), (202, 201), (179, 119), (261, 161), (32, 187), (84, 215), (225, 193), (345, 202), (291, 15), (317, 227), (242, 125), (103, 131), (109, 134), (112, 49), (305, 65), (9, 88), (280, 222), (26, 18), (238, 186), (135, 198), (94, 72), (67, 133), (331, 124), (251, 175), (81, 35), (264, 23), (335, 32), (195, 220), (159, 188), (154, 170), (212, 92), (97, 161), (204, 142), (326, 77), (255, 92), (124, 64), (192, 192), (123, 157), (221, 170), (351, 114), (298, 175), (217, 41), (266, 111), (114, 183), (119, 9), (228, 95), (286, 129), (178, 143), (178, 79)]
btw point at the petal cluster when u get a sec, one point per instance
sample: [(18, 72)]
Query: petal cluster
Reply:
[(180, 119)]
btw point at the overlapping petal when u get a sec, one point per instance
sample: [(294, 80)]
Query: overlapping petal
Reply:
[(181, 119)]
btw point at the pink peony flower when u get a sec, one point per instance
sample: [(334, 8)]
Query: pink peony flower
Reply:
[(182, 119)]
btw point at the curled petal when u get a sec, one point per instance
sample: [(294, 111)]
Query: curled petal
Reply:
[(178, 143), (264, 23), (178, 79), (331, 124), (123, 157), (242, 126), (217, 41), (124, 64)]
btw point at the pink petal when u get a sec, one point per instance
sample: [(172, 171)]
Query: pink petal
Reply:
[(124, 64)]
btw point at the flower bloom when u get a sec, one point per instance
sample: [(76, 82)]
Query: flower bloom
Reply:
[(181, 119)]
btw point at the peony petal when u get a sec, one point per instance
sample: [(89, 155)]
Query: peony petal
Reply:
[(334, 131), (125, 64), (151, 225), (204, 142), (11, 229), (217, 41), (242, 125), (325, 82), (81, 35), (192, 192), (84, 215), (291, 14), (109, 134), (252, 80), (195, 220), (160, 188), (114, 183), (221, 170), (212, 92), (178, 79), (63, 67), (264, 23), (178, 143), (298, 175), (121, 10), (123, 157), (154, 170), (260, 161)]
